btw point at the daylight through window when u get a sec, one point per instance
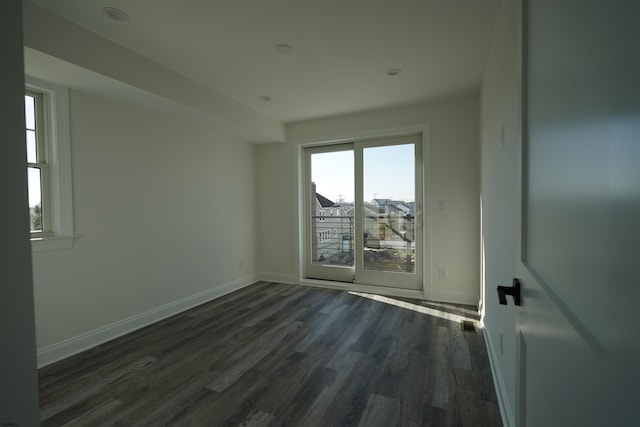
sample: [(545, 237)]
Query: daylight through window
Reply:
[(37, 161), (48, 162)]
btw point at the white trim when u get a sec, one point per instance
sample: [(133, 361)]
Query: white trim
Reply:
[(373, 133), (42, 244), (336, 273), (66, 348), (288, 279), (60, 165), (498, 382), (427, 289), (453, 296)]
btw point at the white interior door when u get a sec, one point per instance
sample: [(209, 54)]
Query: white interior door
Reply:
[(363, 212), (577, 326)]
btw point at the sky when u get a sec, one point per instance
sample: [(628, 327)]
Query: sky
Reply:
[(388, 173), (33, 174)]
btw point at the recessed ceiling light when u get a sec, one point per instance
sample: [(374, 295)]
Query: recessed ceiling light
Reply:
[(283, 48), (115, 14), (265, 98)]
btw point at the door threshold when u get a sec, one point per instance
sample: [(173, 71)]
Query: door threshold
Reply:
[(370, 289)]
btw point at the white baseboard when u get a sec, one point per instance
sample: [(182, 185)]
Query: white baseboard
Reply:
[(454, 297), (63, 349), (288, 279), (498, 382)]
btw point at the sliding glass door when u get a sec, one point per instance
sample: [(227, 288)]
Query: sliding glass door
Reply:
[(329, 213), (363, 212)]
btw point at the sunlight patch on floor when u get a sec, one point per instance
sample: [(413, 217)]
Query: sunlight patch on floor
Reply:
[(415, 307)]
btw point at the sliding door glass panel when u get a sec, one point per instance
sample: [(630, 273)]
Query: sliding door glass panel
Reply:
[(329, 213), (388, 212), (332, 208)]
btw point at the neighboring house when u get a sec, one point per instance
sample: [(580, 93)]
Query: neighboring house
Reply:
[(333, 224), (332, 228), (386, 215), (373, 231), (402, 219)]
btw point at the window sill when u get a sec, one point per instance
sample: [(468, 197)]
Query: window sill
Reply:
[(52, 243)]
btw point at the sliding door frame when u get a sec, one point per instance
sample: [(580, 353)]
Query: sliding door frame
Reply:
[(338, 273), (298, 159), (404, 280)]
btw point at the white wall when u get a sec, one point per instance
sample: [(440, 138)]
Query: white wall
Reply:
[(454, 175), (18, 377), (165, 211), (500, 137), (275, 188)]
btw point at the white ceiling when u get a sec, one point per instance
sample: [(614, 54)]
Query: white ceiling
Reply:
[(341, 48)]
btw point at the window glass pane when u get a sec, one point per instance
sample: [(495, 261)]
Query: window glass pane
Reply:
[(30, 111), (32, 147), (332, 190), (35, 198), (389, 208)]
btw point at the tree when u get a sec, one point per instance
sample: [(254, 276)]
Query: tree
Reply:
[(36, 218)]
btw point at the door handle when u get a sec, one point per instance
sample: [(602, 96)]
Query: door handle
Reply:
[(514, 291)]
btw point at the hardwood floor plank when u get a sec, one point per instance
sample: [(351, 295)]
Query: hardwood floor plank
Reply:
[(459, 348), (412, 391), (206, 407), (98, 415), (321, 405), (466, 411), (323, 327), (438, 365), (285, 386), (358, 385), (257, 419), (480, 368), (94, 387), (273, 308), (229, 376), (294, 413), (414, 338), (380, 412), (365, 312), (392, 375), (282, 355)]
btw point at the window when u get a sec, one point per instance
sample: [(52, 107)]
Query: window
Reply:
[(48, 165), (38, 173)]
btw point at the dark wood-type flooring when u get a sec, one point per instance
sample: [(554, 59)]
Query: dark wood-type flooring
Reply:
[(281, 355)]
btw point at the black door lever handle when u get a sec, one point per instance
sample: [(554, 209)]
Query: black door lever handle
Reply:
[(514, 291)]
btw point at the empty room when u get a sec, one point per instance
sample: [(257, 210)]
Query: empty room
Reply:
[(319, 213)]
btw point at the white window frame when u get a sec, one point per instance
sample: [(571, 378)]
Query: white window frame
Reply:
[(58, 144)]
